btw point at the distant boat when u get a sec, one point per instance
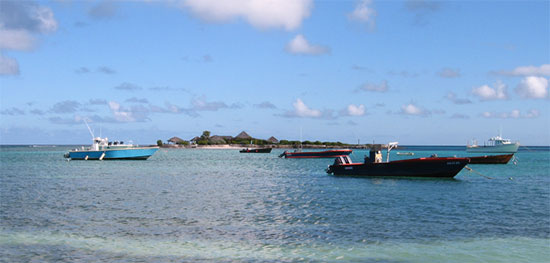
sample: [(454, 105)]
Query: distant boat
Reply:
[(256, 150), (405, 153), (495, 145), (102, 149), (491, 159), (441, 167), (320, 154)]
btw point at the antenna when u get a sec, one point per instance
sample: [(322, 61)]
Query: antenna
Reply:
[(300, 137), (90, 130)]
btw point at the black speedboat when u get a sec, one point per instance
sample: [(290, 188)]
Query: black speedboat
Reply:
[(491, 159), (256, 150), (442, 167), (321, 154)]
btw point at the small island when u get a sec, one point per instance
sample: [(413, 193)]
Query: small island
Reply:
[(243, 139)]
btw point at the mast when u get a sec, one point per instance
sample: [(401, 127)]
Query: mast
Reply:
[(300, 138), (90, 130)]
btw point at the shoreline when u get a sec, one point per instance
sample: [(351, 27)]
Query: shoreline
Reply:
[(240, 147)]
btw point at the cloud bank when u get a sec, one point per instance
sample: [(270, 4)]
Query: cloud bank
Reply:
[(364, 13), (19, 22), (543, 70), (263, 14)]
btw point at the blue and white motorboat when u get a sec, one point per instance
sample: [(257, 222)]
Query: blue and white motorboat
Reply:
[(102, 149)]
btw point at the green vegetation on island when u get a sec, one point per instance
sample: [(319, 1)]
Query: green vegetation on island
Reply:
[(243, 139)]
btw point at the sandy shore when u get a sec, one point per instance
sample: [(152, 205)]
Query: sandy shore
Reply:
[(239, 147), (207, 147)]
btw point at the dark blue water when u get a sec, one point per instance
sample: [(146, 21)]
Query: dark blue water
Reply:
[(220, 205)]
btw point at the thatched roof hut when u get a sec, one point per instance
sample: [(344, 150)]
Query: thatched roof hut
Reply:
[(243, 135), (217, 139), (273, 140), (175, 140), (196, 139)]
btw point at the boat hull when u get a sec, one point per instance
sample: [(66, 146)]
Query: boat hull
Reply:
[(259, 150), (421, 167), (506, 148), (321, 154), (491, 159), (141, 153)]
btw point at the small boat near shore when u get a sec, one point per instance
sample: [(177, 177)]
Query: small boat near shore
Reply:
[(405, 153), (318, 154), (491, 159), (439, 167), (256, 150)]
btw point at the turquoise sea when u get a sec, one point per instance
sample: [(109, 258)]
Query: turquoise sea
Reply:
[(199, 205)]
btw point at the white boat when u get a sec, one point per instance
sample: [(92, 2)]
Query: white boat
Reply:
[(103, 149), (495, 145), (405, 153)]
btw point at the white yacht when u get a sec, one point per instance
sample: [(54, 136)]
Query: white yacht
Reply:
[(495, 145)]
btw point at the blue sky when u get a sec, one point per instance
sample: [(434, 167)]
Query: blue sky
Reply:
[(417, 72)]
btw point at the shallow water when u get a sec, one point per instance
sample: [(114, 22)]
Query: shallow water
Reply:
[(220, 205)]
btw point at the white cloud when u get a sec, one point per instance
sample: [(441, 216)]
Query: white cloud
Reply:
[(543, 70), (533, 87), (364, 13), (382, 87), (454, 98), (45, 18), (411, 109), (19, 20), (353, 110), (460, 116), (128, 86), (487, 93), (8, 66), (200, 104), (532, 114), (514, 114), (300, 45), (103, 10), (120, 113), (20, 40), (302, 110), (287, 14), (449, 73)]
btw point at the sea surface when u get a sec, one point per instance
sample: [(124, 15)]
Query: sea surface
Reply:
[(198, 205)]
